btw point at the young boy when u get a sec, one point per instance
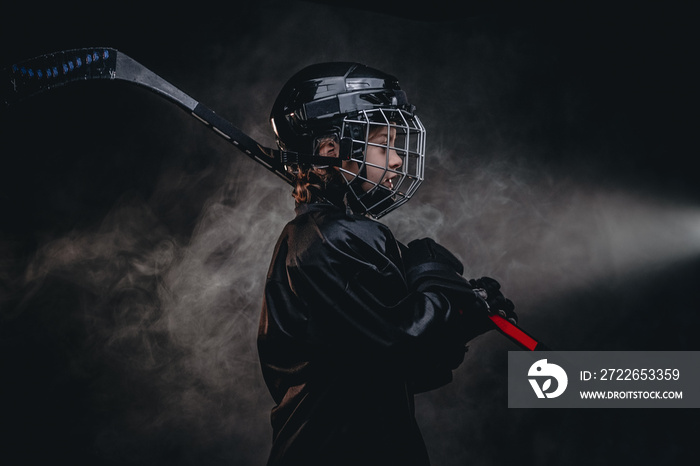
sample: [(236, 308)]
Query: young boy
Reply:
[(353, 322)]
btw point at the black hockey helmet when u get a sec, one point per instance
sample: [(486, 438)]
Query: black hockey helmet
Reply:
[(351, 103)]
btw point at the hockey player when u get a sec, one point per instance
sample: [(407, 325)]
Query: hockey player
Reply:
[(354, 323)]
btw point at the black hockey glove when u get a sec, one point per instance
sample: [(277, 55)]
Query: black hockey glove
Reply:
[(490, 290), (427, 263), (430, 265)]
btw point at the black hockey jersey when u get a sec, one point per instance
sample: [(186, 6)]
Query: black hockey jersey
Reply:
[(344, 343)]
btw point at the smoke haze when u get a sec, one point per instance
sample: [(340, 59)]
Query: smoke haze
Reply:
[(136, 241)]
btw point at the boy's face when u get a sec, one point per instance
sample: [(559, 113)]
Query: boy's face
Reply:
[(380, 160)]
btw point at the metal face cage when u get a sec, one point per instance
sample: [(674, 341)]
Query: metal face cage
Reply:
[(386, 164)]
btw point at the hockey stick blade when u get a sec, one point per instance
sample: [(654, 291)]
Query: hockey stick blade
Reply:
[(39, 74)]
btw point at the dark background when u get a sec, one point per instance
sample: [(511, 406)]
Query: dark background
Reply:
[(134, 241)]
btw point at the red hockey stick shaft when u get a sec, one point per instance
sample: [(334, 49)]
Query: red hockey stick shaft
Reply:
[(516, 334)]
